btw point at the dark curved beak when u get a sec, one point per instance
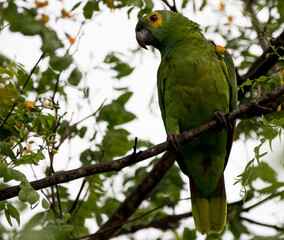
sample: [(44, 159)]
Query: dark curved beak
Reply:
[(141, 35), (144, 37)]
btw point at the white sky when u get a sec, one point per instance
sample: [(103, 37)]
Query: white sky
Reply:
[(112, 31)]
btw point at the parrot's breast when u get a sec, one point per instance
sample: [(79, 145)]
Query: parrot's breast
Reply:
[(191, 91)]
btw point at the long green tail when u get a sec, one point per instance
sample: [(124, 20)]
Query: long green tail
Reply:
[(210, 213)]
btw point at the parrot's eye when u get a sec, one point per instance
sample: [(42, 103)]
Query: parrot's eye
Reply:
[(153, 18)]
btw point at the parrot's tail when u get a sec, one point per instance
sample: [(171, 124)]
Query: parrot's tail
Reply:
[(209, 214)]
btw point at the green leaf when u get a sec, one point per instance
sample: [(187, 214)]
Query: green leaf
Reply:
[(115, 114), (75, 77), (76, 6), (28, 194), (5, 172), (280, 7), (33, 197), (60, 63), (47, 81), (184, 3), (5, 150), (48, 121), (2, 205), (45, 203), (115, 143), (13, 212), (99, 219), (8, 94), (189, 234), (123, 99), (237, 227), (31, 158), (265, 122), (7, 215), (82, 131), (272, 188), (123, 70), (266, 173), (90, 7)]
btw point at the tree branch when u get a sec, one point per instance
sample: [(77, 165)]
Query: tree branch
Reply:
[(172, 221), (255, 23), (262, 224), (169, 222), (273, 99), (171, 7), (137, 196)]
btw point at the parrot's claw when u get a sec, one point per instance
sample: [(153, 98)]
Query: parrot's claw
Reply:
[(220, 117), (172, 138)]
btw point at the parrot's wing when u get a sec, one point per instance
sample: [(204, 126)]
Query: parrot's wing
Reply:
[(229, 71)]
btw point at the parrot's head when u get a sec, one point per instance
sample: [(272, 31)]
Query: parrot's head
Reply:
[(162, 29)]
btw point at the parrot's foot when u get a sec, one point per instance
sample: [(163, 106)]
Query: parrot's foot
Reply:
[(172, 138), (220, 117)]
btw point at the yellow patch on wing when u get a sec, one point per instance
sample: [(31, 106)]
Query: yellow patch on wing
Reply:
[(156, 23), (220, 49)]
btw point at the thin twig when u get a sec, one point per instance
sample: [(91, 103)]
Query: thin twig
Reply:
[(262, 224), (262, 201), (69, 129), (171, 7), (78, 196)]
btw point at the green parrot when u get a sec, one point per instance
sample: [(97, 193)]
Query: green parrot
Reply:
[(196, 81)]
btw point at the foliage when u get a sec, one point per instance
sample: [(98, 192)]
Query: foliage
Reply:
[(35, 126)]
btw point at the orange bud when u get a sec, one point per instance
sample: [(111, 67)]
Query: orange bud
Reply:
[(230, 19), (71, 40), (44, 18), (65, 14), (29, 105), (41, 4), (222, 6)]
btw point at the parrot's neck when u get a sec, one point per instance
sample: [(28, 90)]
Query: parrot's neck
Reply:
[(193, 46)]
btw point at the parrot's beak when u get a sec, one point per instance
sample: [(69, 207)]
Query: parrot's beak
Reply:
[(144, 37)]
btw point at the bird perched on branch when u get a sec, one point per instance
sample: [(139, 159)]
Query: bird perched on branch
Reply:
[(196, 81)]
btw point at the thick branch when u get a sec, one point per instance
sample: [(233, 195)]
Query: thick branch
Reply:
[(172, 221), (169, 222), (253, 107), (137, 196), (256, 23)]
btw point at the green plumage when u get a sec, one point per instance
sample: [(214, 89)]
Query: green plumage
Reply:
[(195, 79)]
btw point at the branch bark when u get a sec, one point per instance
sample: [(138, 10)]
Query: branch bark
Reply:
[(137, 196), (253, 108)]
